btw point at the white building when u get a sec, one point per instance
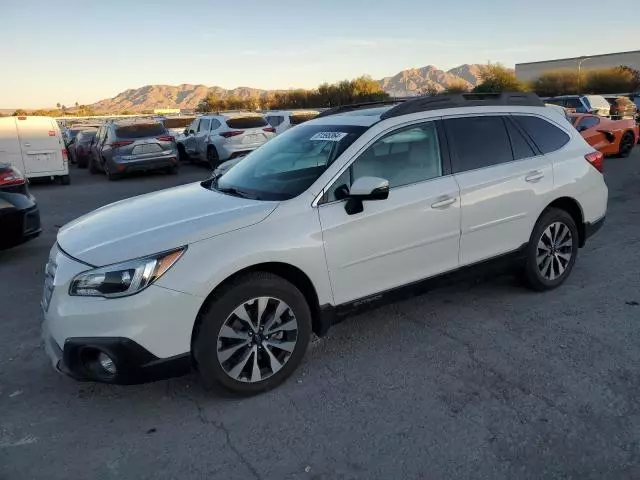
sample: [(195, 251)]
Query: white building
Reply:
[(532, 70)]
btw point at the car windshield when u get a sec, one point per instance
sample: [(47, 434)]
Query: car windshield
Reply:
[(286, 166)]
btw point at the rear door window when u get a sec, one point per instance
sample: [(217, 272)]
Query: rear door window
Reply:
[(545, 135), (140, 130), (215, 124), (477, 142), (246, 122), (519, 145)]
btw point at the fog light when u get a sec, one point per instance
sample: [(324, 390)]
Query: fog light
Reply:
[(107, 363)]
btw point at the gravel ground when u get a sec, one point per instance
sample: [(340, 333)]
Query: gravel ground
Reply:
[(478, 380)]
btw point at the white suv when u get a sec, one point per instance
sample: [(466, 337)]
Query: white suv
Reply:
[(214, 139), (232, 275)]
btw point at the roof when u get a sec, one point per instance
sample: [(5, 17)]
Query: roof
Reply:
[(231, 115), (343, 119)]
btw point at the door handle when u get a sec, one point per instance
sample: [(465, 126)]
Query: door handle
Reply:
[(534, 176), (444, 202), (27, 144)]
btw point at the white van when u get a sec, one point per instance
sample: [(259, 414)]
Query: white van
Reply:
[(35, 146)]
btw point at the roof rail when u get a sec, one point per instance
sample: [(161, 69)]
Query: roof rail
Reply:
[(438, 102), (356, 106)]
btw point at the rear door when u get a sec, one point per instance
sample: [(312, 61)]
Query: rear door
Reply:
[(189, 141), (42, 145), (502, 180), (202, 136), (10, 150)]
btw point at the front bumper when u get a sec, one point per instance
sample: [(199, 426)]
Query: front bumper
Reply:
[(147, 335), (134, 364)]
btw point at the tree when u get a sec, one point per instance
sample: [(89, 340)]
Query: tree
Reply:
[(19, 112), (58, 105), (457, 86), (76, 104), (559, 82), (495, 78), (611, 80)]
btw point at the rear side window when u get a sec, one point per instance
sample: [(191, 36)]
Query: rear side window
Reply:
[(274, 121), (204, 125), (546, 136), (298, 118), (140, 130), (589, 122), (519, 145), (478, 142), (246, 122)]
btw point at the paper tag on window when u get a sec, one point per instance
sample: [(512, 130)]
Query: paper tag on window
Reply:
[(328, 136)]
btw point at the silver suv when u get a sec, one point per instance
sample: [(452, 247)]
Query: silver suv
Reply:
[(214, 139)]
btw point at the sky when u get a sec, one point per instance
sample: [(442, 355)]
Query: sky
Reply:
[(84, 51)]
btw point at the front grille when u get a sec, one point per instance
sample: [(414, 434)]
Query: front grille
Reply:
[(49, 279)]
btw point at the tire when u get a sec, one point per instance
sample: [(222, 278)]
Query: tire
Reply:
[(81, 163), (247, 344), (213, 159), (173, 170), (183, 156), (627, 142), (111, 176), (93, 169), (65, 180), (550, 233)]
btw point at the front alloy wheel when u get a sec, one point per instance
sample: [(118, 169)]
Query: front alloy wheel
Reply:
[(257, 339), (252, 334), (627, 142)]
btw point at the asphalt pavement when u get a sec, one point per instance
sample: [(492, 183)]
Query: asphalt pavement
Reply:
[(478, 380)]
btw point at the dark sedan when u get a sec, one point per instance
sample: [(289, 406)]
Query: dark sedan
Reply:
[(19, 215), (80, 148)]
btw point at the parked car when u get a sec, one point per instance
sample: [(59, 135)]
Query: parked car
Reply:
[(595, 104), (176, 125), (72, 133), (19, 215), (125, 146), (621, 107), (232, 275), (611, 137), (35, 146), (214, 139), (80, 148), (283, 120)]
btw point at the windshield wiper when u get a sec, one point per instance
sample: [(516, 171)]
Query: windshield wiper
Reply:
[(234, 191)]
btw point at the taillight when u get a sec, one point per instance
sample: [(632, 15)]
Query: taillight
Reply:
[(13, 176), (269, 129), (121, 143), (166, 138), (65, 154), (596, 159), (232, 133)]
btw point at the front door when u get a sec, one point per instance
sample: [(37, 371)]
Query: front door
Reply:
[(201, 138), (189, 141), (412, 235)]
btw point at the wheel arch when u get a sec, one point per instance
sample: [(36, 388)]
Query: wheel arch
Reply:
[(573, 208), (293, 274)]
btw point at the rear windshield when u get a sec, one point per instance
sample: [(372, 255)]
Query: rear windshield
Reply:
[(140, 130), (298, 118), (246, 122), (86, 135), (178, 122)]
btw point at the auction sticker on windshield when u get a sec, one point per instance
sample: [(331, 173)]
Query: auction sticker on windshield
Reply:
[(328, 136)]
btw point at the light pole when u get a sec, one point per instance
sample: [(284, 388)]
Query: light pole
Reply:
[(581, 60)]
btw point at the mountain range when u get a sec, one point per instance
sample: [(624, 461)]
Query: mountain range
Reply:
[(408, 82)]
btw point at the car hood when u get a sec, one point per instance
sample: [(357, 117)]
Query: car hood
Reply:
[(156, 222)]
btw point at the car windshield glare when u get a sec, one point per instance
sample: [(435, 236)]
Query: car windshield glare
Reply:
[(288, 165)]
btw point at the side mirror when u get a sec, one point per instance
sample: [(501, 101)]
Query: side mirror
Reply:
[(192, 132), (366, 188)]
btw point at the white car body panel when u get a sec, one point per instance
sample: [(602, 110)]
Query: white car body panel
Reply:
[(391, 243), (34, 145)]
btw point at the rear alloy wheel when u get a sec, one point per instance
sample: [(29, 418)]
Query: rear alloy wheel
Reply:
[(627, 142), (93, 169), (183, 156), (110, 175), (552, 250), (212, 157), (253, 335)]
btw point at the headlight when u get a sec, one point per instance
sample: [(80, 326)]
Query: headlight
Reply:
[(126, 278)]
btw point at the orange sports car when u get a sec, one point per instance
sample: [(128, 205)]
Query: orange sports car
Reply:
[(611, 137)]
